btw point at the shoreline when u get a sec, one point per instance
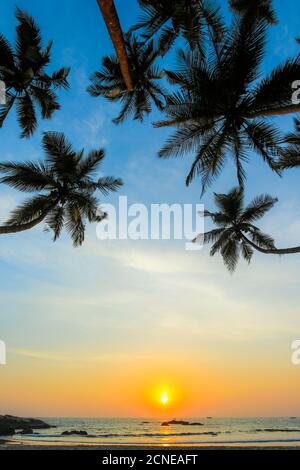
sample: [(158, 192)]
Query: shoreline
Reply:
[(13, 445)]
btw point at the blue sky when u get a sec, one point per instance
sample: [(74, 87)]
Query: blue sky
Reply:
[(112, 303)]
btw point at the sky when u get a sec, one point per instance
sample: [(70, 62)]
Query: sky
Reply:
[(103, 329)]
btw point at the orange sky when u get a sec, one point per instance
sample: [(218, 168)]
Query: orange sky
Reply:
[(46, 387)]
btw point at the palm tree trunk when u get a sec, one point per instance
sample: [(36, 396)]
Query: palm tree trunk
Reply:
[(294, 108), (16, 228), (159, 124), (112, 22), (22, 227), (274, 251)]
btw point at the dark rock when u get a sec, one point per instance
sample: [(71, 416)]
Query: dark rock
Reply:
[(23, 423), (74, 433), (6, 430), (27, 431), (182, 423)]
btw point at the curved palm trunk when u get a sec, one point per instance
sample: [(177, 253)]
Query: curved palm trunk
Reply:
[(112, 22), (22, 227), (274, 251), (293, 108), (16, 228)]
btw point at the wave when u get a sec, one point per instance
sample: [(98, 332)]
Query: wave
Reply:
[(134, 435), (277, 430), (171, 434)]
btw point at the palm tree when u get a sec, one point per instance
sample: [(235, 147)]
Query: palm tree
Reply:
[(263, 9), (221, 107), (171, 19), (23, 72), (235, 234), (109, 81), (66, 186), (112, 22)]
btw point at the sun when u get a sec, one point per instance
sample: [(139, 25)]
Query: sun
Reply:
[(164, 398)]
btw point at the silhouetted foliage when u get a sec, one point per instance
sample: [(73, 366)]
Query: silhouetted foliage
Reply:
[(145, 75), (171, 19), (221, 108), (66, 185), (23, 72)]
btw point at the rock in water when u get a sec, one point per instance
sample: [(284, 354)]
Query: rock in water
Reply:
[(6, 430), (27, 431), (182, 423), (74, 433), (14, 423)]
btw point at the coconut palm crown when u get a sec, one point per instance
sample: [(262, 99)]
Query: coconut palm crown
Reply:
[(66, 183), (23, 72), (236, 235), (171, 19), (145, 75), (221, 107)]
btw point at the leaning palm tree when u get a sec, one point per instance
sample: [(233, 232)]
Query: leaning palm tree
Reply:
[(236, 234), (66, 184), (109, 81), (221, 108), (23, 72), (263, 9), (171, 19)]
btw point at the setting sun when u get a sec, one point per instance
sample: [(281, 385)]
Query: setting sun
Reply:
[(164, 398)]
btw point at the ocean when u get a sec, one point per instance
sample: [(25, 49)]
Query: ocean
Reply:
[(241, 431)]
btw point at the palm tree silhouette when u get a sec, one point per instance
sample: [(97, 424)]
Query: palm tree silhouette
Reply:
[(109, 81), (236, 234), (23, 72), (221, 108), (66, 185), (171, 19)]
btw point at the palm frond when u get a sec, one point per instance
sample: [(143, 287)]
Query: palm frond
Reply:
[(55, 221), (74, 224), (6, 54), (29, 210), (26, 115), (5, 108), (56, 146), (262, 9), (258, 208), (274, 91), (27, 176)]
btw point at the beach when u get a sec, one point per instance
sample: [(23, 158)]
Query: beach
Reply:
[(11, 445), (142, 433)]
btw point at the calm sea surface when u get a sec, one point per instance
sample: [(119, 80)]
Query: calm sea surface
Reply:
[(144, 431)]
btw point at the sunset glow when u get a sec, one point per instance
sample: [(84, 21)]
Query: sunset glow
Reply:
[(164, 398)]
